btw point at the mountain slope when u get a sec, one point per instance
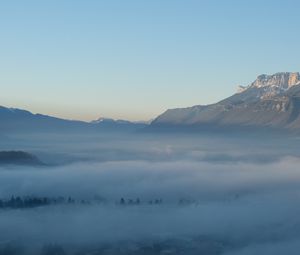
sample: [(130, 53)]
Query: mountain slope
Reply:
[(18, 158), (270, 101), (12, 119), (16, 120)]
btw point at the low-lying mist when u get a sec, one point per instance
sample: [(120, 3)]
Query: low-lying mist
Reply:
[(217, 195)]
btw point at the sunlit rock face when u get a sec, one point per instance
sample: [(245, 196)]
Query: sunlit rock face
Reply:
[(272, 85), (276, 84), (269, 101), (282, 80)]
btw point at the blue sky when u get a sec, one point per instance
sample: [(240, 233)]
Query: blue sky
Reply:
[(131, 59)]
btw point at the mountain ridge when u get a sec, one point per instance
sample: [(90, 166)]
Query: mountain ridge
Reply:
[(271, 101), (15, 120)]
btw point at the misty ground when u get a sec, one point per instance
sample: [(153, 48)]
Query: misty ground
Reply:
[(236, 194)]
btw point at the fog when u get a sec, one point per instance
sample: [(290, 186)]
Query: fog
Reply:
[(219, 195)]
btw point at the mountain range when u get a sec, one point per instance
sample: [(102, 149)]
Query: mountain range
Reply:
[(16, 120), (270, 102)]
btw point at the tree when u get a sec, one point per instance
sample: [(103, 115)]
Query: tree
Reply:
[(122, 201), (137, 201)]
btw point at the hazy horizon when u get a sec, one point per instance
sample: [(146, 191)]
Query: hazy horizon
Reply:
[(87, 113), (135, 59)]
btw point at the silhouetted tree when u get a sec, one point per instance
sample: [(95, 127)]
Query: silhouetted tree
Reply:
[(137, 201), (70, 200), (122, 201)]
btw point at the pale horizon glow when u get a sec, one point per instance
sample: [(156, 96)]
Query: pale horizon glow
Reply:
[(135, 59)]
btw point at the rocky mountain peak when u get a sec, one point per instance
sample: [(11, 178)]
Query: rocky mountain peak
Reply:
[(266, 86), (283, 80), (271, 101)]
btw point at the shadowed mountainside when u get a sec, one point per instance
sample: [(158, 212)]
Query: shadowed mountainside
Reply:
[(17, 120), (19, 158)]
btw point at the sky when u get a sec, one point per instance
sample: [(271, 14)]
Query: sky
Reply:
[(133, 59)]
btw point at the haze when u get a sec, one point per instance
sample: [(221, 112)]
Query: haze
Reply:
[(122, 131), (220, 194), (135, 59)]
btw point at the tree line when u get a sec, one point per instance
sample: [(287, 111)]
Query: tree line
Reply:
[(18, 202), (33, 201)]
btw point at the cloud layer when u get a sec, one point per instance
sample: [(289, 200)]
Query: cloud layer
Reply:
[(242, 201)]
